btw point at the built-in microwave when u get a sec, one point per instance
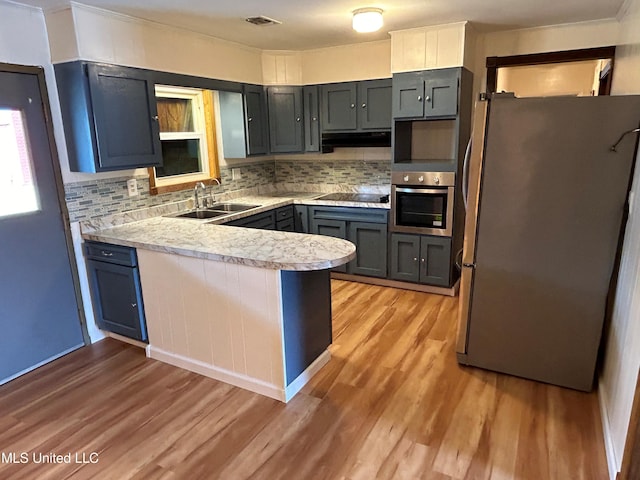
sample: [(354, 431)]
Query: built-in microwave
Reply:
[(422, 202)]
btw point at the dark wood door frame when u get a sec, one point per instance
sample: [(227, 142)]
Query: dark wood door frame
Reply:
[(493, 63)]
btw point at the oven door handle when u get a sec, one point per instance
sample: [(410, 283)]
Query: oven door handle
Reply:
[(423, 190)]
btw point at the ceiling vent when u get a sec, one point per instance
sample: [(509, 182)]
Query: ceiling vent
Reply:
[(262, 20)]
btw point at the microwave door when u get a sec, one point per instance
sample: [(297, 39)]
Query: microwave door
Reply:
[(475, 166)]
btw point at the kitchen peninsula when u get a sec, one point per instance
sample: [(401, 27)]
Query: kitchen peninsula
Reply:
[(248, 307)]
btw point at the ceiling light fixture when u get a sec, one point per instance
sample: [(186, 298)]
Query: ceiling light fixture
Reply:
[(367, 19)]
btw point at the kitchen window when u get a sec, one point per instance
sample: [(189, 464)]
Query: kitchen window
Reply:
[(187, 135)]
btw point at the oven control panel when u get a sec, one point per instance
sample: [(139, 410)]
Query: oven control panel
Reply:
[(444, 179)]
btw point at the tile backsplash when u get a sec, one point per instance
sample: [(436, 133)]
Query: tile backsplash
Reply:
[(97, 198), (334, 172), (102, 197)]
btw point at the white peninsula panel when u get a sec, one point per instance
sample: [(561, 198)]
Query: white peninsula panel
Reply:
[(219, 319)]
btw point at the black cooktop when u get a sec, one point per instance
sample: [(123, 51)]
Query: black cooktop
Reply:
[(356, 197)]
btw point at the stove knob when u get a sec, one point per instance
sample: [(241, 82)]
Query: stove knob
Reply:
[(436, 180), (406, 178), (421, 178)]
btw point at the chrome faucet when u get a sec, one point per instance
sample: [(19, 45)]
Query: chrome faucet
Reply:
[(198, 186)]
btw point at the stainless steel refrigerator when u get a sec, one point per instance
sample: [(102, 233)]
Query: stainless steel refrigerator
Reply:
[(546, 199)]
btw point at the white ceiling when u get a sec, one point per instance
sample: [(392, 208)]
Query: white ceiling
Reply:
[(310, 24)]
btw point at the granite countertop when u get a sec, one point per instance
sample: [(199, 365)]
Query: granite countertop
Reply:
[(209, 239)]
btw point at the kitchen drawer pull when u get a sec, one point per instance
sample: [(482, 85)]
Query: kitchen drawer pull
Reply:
[(106, 254)]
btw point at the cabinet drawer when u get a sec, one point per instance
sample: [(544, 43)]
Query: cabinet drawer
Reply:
[(265, 220), (355, 214), (284, 213), (286, 225), (106, 252)]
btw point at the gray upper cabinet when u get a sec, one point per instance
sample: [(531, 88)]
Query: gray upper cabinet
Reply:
[(285, 119), (374, 104), (430, 93), (356, 106), (339, 106), (110, 117), (311, 107), (256, 120)]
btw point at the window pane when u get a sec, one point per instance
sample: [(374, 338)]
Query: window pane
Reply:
[(175, 114), (180, 157), (18, 192)]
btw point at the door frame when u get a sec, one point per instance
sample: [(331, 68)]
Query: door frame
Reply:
[(57, 174), (493, 63)]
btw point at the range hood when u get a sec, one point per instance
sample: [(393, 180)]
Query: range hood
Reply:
[(355, 139)]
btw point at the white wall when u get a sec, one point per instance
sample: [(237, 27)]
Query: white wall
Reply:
[(552, 38), (622, 354)]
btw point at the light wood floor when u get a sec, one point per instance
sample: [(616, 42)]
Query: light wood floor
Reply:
[(391, 403)]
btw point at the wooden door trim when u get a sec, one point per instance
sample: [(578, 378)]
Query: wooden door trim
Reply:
[(493, 63)]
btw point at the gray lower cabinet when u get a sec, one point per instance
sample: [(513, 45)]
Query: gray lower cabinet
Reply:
[(421, 259), (301, 221), (285, 119), (366, 228), (285, 219), (264, 221), (114, 280)]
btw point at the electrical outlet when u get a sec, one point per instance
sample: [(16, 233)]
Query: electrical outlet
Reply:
[(132, 187), (236, 174)]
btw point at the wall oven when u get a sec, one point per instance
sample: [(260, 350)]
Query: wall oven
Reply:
[(422, 202)]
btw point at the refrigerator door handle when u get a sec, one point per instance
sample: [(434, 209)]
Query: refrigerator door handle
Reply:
[(465, 173)]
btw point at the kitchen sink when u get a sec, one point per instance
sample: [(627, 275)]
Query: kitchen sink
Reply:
[(200, 214), (231, 207)]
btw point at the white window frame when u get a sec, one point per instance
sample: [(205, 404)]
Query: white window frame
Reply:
[(199, 133)]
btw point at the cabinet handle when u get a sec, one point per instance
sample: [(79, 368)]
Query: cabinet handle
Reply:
[(154, 118), (134, 305), (415, 259), (419, 98), (297, 119), (428, 98), (315, 119), (106, 254), (364, 105), (353, 105), (249, 119)]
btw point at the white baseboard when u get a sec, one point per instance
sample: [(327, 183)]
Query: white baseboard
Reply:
[(239, 380), (302, 379), (217, 373), (612, 463)]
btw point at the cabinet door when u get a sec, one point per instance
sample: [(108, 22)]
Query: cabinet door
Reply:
[(338, 102), (374, 104), (285, 119), (331, 228), (117, 299), (311, 118), (441, 93), (405, 257), (435, 260), (125, 118), (301, 218), (408, 95), (370, 240), (256, 120)]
